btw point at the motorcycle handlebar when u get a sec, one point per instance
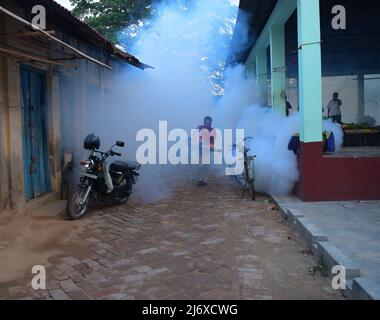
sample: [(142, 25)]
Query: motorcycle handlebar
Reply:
[(113, 153)]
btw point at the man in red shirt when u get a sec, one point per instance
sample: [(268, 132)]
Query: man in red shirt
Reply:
[(207, 137)]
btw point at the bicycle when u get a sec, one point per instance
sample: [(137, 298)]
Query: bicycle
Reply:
[(246, 179)]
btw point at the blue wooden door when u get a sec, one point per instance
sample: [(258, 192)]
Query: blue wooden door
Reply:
[(35, 138)]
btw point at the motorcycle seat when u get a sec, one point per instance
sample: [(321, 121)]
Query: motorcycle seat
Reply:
[(124, 166)]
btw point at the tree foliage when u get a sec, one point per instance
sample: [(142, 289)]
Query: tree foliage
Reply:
[(109, 17)]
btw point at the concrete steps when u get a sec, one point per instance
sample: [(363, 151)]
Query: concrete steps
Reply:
[(55, 210), (41, 201), (47, 206)]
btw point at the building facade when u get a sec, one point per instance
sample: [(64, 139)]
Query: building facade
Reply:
[(50, 80), (304, 51)]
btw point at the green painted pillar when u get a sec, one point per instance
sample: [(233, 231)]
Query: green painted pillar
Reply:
[(361, 98), (262, 75), (277, 54), (251, 71), (310, 73)]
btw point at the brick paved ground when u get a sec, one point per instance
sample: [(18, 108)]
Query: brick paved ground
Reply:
[(195, 245)]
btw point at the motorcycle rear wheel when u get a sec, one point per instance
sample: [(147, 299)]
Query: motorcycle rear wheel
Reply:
[(128, 181), (75, 209)]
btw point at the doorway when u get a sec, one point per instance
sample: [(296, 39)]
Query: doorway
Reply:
[(35, 137)]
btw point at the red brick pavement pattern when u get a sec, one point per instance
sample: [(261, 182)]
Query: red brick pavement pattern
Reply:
[(201, 243)]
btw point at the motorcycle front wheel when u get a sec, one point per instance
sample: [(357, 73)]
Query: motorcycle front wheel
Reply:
[(76, 208)]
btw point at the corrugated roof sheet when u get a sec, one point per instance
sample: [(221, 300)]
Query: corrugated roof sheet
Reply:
[(60, 7)]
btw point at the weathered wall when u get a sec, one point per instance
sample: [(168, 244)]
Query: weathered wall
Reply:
[(11, 143), (4, 136), (336, 178), (11, 117)]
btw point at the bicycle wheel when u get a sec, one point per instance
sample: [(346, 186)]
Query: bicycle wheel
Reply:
[(251, 189), (240, 180), (248, 168)]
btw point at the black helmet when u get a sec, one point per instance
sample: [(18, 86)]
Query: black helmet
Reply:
[(92, 142)]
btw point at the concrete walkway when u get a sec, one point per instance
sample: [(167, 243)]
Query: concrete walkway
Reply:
[(342, 233)]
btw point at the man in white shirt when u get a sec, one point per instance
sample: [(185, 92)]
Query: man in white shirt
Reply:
[(334, 108)]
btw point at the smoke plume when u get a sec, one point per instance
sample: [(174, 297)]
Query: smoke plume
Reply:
[(188, 46)]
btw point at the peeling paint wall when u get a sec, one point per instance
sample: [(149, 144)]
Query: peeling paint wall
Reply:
[(11, 113)]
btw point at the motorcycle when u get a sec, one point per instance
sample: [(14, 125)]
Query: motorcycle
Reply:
[(98, 183)]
